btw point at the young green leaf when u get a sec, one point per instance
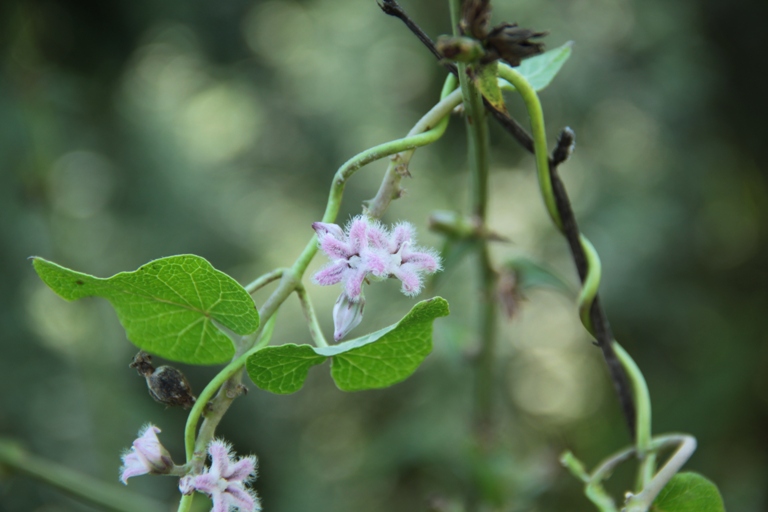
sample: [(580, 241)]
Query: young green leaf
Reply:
[(377, 360), (168, 307), (689, 492), (487, 82), (541, 69)]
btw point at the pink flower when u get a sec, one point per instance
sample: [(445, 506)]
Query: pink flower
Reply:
[(364, 251), (146, 455), (225, 480)]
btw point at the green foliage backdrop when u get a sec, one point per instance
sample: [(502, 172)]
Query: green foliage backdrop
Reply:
[(131, 131)]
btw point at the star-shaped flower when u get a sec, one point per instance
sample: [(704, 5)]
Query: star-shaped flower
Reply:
[(366, 250), (146, 455), (225, 480)]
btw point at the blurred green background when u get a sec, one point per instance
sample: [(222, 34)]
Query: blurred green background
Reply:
[(131, 130)]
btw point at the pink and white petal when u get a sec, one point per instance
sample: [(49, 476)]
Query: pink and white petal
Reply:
[(402, 234), (220, 502), (324, 229), (220, 458), (242, 469), (206, 483), (378, 237), (147, 440), (358, 234), (336, 249), (376, 262), (242, 499), (331, 274), (187, 484), (353, 285), (422, 261), (410, 279), (133, 465)]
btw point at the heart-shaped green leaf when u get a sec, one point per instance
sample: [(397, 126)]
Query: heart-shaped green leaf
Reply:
[(689, 492), (282, 369), (377, 360), (542, 69), (169, 306)]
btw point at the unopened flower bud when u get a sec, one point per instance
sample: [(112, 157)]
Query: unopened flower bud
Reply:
[(346, 315), (460, 49), (513, 43)]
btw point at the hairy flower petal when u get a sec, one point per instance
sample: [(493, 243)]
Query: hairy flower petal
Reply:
[(410, 279), (421, 261), (146, 455), (358, 234), (402, 234), (331, 274), (225, 480), (354, 283), (367, 249), (324, 229), (336, 249)]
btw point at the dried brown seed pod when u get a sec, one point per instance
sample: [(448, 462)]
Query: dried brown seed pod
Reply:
[(166, 384)]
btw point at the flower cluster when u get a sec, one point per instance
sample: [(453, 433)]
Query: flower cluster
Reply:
[(366, 250), (225, 480), (146, 455)]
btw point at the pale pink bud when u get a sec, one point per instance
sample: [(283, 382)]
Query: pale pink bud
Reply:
[(347, 315)]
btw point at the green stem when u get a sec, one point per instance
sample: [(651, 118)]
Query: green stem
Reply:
[(309, 313), (477, 142), (539, 133), (686, 446), (643, 408), (432, 126), (642, 400), (185, 504), (264, 280), (101, 494)]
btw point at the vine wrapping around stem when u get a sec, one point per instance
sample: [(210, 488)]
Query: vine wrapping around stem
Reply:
[(559, 209), (602, 329)]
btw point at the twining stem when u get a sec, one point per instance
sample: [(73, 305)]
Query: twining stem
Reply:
[(559, 208), (398, 163), (229, 378), (642, 401), (649, 484), (101, 494)]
